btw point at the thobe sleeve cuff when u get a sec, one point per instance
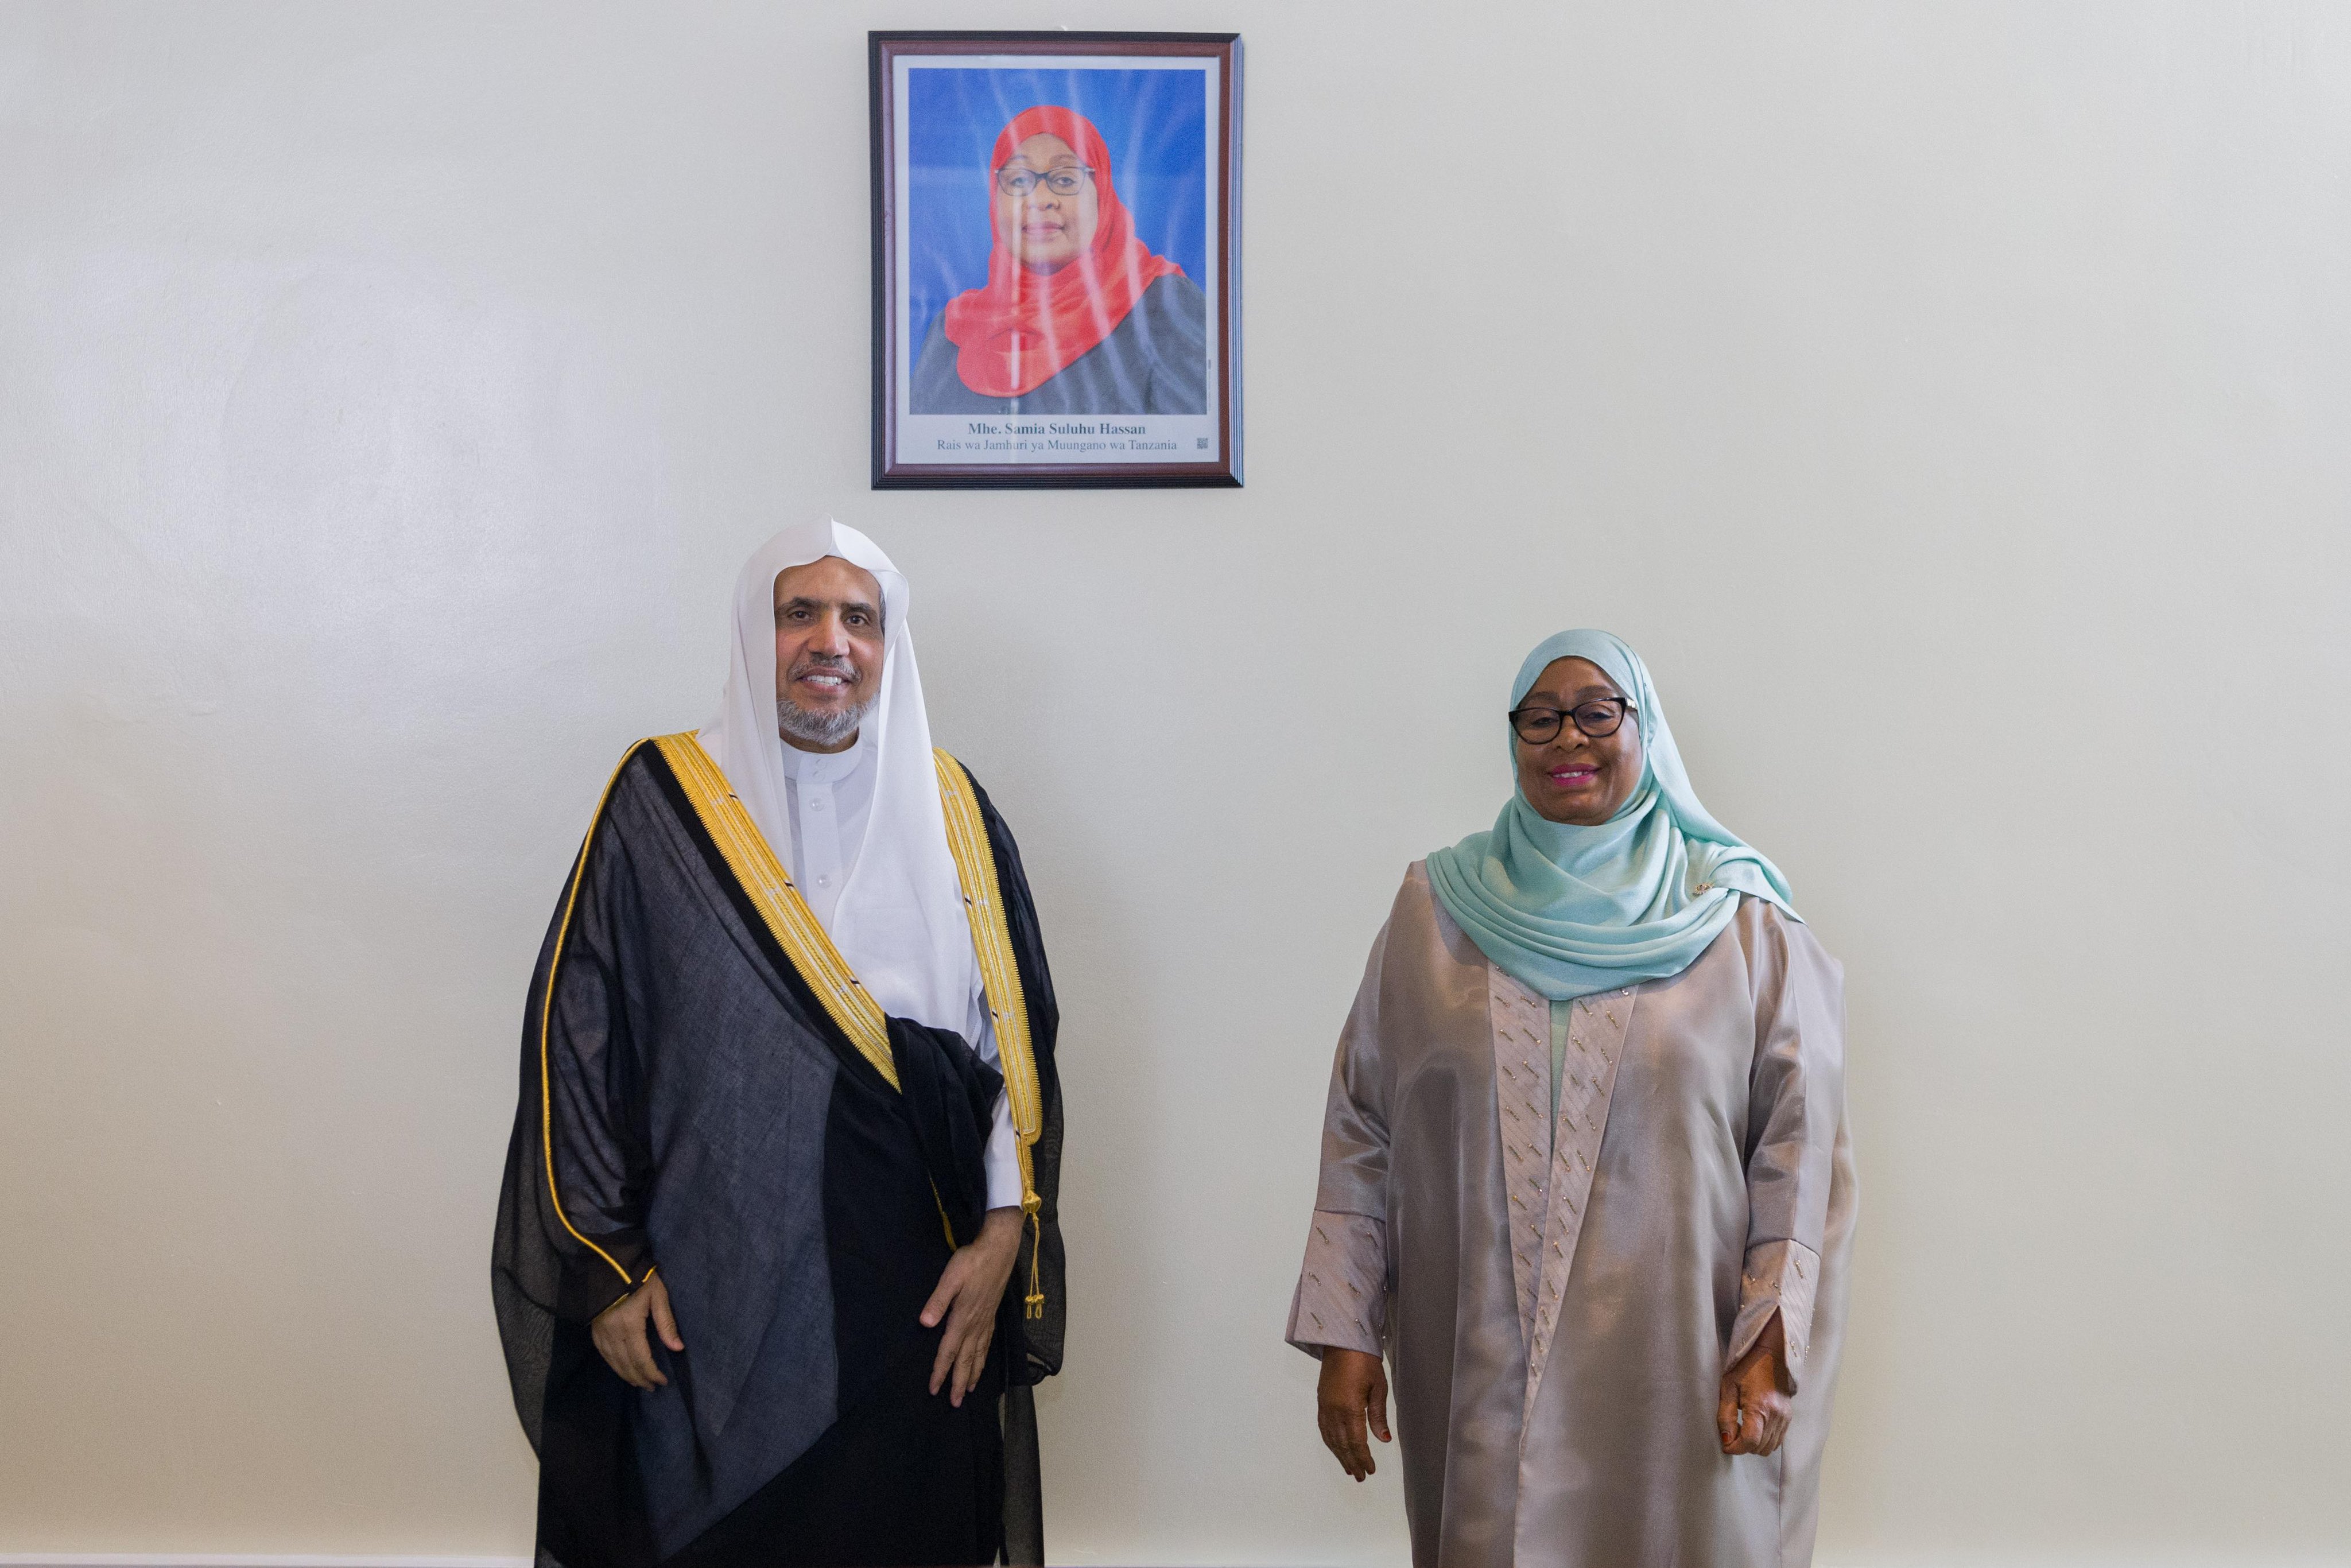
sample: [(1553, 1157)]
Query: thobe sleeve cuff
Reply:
[(1003, 1158), (1342, 1299), (599, 1280), (1779, 1277)]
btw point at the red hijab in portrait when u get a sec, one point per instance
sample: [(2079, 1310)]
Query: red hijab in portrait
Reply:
[(1016, 333)]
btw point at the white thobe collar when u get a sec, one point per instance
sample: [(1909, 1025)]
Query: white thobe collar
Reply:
[(829, 795)]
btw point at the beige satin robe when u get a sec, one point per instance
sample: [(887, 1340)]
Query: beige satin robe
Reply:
[(1558, 1302)]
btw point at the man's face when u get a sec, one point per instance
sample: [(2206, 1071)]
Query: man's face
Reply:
[(827, 652)]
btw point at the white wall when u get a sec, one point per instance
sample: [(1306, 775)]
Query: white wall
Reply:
[(1950, 401)]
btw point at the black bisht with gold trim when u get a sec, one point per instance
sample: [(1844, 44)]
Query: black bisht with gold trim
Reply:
[(706, 1089)]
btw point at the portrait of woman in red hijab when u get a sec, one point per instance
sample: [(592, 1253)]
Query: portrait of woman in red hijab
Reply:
[(1078, 316)]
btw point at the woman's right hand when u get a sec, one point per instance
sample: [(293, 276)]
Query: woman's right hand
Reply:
[(1353, 1394)]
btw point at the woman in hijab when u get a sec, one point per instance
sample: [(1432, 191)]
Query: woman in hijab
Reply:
[(1078, 316), (1585, 1175)]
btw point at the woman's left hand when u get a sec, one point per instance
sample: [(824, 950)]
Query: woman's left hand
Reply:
[(1752, 1414)]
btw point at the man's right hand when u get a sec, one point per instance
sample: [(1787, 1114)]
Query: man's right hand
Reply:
[(1354, 1392), (619, 1331)]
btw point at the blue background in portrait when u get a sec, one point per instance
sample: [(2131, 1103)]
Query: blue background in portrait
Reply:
[(1155, 124)]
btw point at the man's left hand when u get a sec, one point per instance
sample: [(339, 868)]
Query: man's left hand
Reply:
[(970, 1290)]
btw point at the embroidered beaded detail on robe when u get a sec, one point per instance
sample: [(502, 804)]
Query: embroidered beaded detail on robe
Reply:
[(1547, 1160)]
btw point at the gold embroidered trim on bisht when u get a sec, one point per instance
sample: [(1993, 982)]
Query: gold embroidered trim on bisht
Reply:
[(999, 977), (991, 941), (781, 908), (546, 1014)]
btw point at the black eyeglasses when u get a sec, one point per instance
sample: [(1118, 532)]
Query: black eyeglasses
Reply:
[(1598, 718), (1065, 181)]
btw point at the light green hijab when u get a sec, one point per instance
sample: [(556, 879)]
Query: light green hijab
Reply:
[(1572, 910)]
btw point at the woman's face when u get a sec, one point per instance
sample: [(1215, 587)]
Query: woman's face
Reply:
[(1046, 229), (1573, 777)]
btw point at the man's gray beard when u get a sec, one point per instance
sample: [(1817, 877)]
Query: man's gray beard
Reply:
[(818, 729)]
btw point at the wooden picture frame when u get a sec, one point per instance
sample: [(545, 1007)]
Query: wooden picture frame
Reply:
[(1040, 322)]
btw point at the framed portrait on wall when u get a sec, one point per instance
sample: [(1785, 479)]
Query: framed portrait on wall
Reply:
[(1056, 259)]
